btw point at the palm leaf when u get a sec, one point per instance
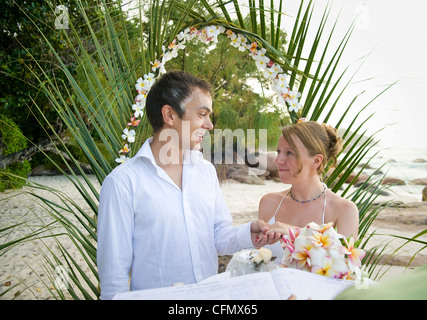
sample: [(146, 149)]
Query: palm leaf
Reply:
[(104, 93)]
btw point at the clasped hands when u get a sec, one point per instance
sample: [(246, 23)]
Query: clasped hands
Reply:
[(262, 233)]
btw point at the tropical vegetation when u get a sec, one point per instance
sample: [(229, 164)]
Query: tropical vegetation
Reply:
[(115, 45)]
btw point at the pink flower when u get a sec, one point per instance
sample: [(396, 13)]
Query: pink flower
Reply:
[(354, 255), (156, 65), (125, 149), (133, 122)]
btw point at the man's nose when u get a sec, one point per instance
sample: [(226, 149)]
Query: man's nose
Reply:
[(208, 124)]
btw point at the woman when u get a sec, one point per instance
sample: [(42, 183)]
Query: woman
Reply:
[(303, 151)]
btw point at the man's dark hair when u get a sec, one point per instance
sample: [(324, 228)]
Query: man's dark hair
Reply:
[(172, 89)]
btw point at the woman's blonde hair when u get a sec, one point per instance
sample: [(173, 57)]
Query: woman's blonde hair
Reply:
[(318, 139)]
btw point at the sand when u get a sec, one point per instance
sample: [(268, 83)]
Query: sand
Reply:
[(23, 271)]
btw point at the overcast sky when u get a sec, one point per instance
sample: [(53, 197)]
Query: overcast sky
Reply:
[(396, 33)]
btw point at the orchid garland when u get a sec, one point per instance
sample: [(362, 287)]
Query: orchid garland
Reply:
[(209, 34), (321, 250)]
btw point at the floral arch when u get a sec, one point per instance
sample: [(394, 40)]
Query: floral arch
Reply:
[(272, 71)]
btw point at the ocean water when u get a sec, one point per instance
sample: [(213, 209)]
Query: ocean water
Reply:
[(402, 163)]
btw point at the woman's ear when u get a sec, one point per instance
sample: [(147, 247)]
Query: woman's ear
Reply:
[(317, 160), (168, 114)]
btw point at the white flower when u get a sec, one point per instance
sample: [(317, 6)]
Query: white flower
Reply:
[(181, 36), (294, 105), (122, 159), (169, 56), (294, 95), (281, 82), (238, 41), (261, 65), (276, 68), (141, 85), (270, 73), (139, 109), (260, 56), (281, 86), (129, 135), (212, 33), (149, 77), (144, 85)]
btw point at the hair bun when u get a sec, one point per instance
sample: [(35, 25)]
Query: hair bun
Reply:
[(335, 142)]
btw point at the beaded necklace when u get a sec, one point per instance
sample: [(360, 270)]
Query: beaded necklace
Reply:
[(324, 189)]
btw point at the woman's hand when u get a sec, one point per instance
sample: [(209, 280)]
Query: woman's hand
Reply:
[(278, 230), (260, 238)]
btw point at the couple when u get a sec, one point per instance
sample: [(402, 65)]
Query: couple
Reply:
[(162, 218)]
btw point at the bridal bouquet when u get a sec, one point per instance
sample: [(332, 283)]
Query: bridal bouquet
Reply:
[(320, 249)]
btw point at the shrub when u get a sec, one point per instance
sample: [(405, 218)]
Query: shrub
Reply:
[(13, 141)]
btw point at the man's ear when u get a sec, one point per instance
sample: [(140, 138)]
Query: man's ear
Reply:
[(168, 114)]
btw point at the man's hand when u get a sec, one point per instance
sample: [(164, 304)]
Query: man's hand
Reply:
[(259, 234)]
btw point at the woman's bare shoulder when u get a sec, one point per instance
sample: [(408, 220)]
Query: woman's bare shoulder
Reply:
[(342, 206), (269, 203)]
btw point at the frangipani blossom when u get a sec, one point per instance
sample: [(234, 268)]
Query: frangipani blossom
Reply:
[(139, 109), (129, 135), (321, 240), (294, 94), (143, 85), (253, 48), (261, 65), (354, 255), (325, 269), (122, 159), (303, 257), (212, 32), (321, 228), (318, 249), (294, 105), (133, 122), (125, 149), (238, 41), (155, 65)]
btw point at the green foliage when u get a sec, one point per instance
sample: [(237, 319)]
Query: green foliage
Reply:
[(13, 141), (94, 99), (232, 74)]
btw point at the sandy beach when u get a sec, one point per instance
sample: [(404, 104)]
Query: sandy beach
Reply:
[(23, 273)]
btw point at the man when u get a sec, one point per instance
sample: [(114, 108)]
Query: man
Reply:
[(162, 218)]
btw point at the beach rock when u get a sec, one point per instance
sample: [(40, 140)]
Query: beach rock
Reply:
[(422, 181), (244, 174), (360, 179), (369, 186), (424, 195), (267, 166), (419, 160), (392, 181), (41, 170), (271, 164)]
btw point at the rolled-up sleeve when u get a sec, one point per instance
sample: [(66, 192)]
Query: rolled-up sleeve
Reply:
[(115, 233)]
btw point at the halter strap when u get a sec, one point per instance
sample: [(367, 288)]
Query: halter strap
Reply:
[(323, 209)]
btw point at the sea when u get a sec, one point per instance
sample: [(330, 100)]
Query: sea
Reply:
[(404, 163)]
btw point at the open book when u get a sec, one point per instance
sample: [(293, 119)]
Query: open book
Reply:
[(275, 285)]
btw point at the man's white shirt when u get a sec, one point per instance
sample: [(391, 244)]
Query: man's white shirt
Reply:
[(158, 234)]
